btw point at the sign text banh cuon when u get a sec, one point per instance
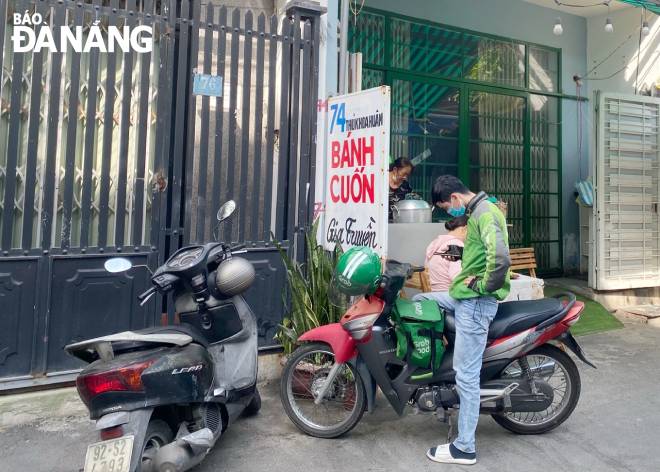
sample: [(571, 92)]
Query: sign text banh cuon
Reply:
[(356, 172)]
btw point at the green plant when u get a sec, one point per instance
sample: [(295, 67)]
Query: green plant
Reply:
[(306, 295)]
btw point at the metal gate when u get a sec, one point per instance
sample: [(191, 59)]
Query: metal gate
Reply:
[(106, 153), (252, 144), (626, 223)]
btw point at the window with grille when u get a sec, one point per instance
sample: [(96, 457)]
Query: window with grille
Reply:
[(484, 108)]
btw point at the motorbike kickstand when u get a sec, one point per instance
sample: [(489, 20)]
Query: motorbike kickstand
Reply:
[(451, 419), (441, 415)]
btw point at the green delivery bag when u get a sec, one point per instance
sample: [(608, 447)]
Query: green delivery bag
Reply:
[(419, 328)]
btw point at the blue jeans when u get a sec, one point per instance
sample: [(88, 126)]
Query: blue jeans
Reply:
[(473, 317)]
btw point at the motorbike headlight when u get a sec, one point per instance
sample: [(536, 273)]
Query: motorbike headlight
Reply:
[(360, 327)]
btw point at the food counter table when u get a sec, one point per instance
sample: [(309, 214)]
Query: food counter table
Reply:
[(407, 242)]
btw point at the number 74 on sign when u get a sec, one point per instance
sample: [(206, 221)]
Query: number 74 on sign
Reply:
[(338, 116)]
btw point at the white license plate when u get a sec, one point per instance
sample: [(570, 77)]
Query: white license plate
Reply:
[(113, 455)]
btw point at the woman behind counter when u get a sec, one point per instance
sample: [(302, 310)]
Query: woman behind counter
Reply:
[(400, 171), (442, 269)]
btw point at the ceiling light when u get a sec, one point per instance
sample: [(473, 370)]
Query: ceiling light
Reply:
[(645, 28), (558, 29), (609, 27)]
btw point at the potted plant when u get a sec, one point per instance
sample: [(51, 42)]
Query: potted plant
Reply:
[(306, 297), (306, 294)]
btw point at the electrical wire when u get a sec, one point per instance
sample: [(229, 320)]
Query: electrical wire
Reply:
[(610, 54), (573, 5), (628, 38), (605, 78), (580, 114), (650, 66), (355, 10), (578, 88)]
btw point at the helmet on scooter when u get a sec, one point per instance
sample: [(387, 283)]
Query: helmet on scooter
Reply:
[(357, 272)]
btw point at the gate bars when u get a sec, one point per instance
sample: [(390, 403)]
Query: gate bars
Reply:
[(254, 143)]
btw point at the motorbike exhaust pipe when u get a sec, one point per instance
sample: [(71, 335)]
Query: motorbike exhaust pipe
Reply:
[(184, 453), (492, 394), (175, 457)]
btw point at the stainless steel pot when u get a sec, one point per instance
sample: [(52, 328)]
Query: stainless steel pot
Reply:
[(411, 211)]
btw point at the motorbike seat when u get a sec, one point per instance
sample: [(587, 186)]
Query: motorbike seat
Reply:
[(178, 335), (513, 317), (191, 331)]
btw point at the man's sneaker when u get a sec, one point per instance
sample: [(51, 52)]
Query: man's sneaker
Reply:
[(449, 454)]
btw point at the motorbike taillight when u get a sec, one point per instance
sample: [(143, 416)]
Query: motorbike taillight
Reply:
[(112, 433), (573, 315), (125, 379)]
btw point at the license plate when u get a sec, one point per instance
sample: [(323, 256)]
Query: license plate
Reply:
[(113, 455)]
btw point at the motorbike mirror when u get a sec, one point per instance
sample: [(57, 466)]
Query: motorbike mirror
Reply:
[(117, 264), (226, 210)]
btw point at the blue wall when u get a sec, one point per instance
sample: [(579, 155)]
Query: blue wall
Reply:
[(528, 22)]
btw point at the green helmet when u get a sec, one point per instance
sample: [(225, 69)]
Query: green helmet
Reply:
[(357, 272)]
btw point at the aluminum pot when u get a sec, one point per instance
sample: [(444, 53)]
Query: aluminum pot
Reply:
[(411, 211)]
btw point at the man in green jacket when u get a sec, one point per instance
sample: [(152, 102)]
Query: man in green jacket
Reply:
[(473, 296)]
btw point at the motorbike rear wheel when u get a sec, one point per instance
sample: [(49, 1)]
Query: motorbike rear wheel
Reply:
[(567, 392), (158, 435), (254, 406), (345, 400)]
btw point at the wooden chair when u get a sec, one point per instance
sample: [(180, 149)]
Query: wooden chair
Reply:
[(523, 258), (419, 281)]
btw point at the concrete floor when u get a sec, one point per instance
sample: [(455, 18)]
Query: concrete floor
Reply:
[(615, 427)]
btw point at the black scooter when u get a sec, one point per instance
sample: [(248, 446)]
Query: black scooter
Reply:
[(162, 397)]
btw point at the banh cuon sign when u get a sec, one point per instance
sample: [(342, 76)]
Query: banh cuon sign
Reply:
[(358, 148)]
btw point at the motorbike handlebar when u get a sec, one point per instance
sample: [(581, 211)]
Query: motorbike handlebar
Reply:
[(238, 247), (145, 296), (413, 269)]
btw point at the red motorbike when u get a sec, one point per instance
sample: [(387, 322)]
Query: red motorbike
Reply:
[(528, 383)]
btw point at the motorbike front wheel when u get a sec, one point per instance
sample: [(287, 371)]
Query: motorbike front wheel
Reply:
[(343, 404), (553, 366)]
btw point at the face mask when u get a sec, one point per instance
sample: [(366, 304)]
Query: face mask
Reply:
[(455, 212)]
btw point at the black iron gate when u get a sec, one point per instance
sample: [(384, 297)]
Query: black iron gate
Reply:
[(106, 153), (253, 143)]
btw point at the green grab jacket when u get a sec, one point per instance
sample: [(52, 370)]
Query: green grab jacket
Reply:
[(486, 252)]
